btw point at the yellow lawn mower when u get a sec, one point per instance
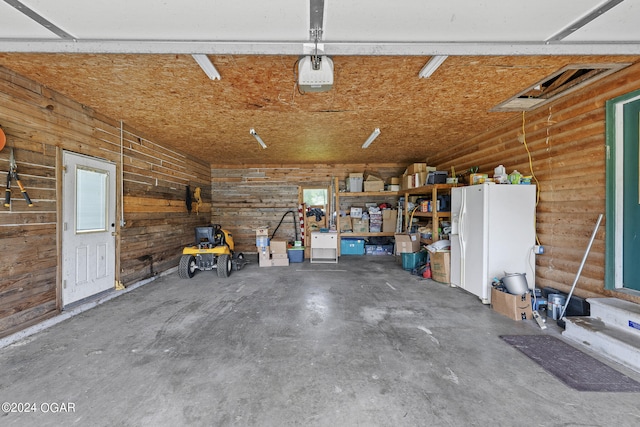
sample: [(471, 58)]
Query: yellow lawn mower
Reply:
[(213, 251)]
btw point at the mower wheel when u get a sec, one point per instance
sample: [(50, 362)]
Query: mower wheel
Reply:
[(187, 267), (224, 265)]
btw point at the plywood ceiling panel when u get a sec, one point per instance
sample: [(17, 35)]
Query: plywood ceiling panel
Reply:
[(170, 99)]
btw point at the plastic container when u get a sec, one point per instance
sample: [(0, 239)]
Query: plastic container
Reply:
[(378, 249), (354, 184), (411, 260), (296, 254), (351, 246), (262, 241)]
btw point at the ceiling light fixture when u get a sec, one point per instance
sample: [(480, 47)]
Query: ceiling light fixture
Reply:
[(257, 137), (431, 66), (207, 66), (373, 136)]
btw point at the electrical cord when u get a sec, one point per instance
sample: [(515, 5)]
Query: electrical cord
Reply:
[(533, 174)]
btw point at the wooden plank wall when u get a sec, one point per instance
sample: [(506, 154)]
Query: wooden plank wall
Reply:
[(38, 123), (250, 196), (567, 143)]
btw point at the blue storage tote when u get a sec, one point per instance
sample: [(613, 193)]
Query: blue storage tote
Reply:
[(351, 246), (378, 249), (296, 254), (411, 260)]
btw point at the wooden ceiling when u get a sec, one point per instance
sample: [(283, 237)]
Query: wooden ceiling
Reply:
[(131, 63), (171, 100)]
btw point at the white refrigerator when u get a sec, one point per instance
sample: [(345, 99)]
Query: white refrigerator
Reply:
[(492, 233)]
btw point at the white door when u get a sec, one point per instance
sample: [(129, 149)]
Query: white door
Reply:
[(88, 228)]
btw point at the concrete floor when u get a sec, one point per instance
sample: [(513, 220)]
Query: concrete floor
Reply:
[(359, 343)]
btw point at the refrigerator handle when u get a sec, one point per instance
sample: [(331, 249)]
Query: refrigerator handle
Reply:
[(461, 218), (461, 238)]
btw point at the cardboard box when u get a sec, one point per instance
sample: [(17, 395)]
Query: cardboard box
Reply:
[(279, 256), (389, 219), (407, 242), (478, 178), (345, 223), (407, 182), (264, 257), (395, 180), (415, 168), (278, 246), (280, 262), (516, 307), (262, 231), (360, 225), (441, 266), (373, 185)]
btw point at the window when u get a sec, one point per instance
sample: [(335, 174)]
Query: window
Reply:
[(315, 196), (91, 200)]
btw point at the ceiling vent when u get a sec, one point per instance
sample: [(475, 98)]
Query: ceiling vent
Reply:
[(562, 82)]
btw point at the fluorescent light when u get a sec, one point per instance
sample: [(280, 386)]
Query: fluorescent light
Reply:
[(207, 66), (257, 137), (431, 66), (373, 136)]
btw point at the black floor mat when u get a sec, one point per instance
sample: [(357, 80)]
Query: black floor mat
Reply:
[(576, 369)]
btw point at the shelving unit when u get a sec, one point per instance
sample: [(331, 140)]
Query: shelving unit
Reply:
[(432, 191), (360, 194)]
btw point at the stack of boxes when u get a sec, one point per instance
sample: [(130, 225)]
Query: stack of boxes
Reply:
[(279, 256), (408, 247), (419, 174), (375, 220), (359, 224), (262, 244), (271, 253)]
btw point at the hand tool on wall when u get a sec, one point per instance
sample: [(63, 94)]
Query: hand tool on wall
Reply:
[(13, 174), (3, 139)]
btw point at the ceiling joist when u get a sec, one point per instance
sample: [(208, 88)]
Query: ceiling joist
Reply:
[(330, 48)]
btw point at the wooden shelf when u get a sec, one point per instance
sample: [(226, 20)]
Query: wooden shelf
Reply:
[(360, 194), (426, 189), (441, 214), (369, 194), (352, 234), (432, 192)]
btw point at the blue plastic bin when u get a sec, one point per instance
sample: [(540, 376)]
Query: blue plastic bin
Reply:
[(351, 246), (296, 254)]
